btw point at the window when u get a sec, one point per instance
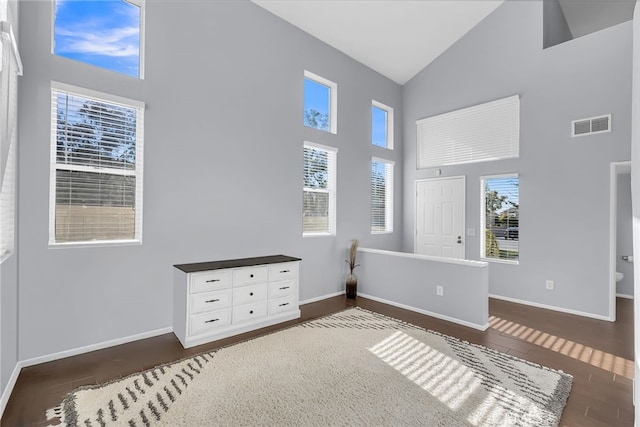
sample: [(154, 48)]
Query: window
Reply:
[(96, 167), (320, 103), (501, 219), (381, 125), (381, 196), (105, 33), (10, 69), (319, 193), (485, 132)]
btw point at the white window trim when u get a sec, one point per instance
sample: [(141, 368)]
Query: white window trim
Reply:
[(333, 99), (483, 218), (390, 122), (388, 213), (141, 49), (332, 172), (114, 99)]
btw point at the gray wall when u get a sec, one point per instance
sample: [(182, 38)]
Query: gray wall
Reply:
[(9, 277), (624, 235), (412, 281), (564, 182), (222, 173), (556, 29)]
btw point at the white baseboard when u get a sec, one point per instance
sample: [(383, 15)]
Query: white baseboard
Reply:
[(6, 393), (93, 347), (320, 298), (624, 296), (429, 313), (551, 307)]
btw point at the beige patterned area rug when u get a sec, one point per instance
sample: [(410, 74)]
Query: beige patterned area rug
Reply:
[(351, 368)]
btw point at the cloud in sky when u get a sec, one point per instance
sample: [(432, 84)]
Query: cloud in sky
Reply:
[(105, 33)]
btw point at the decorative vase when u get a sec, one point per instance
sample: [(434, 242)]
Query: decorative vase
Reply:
[(352, 286)]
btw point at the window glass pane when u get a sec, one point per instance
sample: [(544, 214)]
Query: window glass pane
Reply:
[(93, 133), (502, 205), (104, 33), (317, 99), (315, 168), (316, 212), (378, 127)]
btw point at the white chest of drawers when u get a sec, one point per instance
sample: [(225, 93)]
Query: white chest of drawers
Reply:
[(214, 300)]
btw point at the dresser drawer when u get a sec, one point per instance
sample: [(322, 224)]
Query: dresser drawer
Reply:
[(249, 275), (249, 311), (249, 294), (279, 305), (208, 301), (205, 322), (210, 280), (282, 288), (283, 271)]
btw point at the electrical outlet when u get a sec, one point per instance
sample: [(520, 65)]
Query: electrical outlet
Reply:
[(439, 290), (550, 285)]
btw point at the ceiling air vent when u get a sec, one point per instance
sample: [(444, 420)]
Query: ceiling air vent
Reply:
[(591, 126)]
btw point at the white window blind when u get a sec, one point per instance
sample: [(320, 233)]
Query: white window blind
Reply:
[(96, 167), (381, 196), (319, 190), (484, 132), (10, 69)]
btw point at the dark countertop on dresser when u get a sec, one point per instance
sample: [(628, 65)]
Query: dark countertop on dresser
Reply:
[(234, 263)]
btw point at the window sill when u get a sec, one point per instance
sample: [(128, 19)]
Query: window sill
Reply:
[(382, 232), (95, 244), (500, 261), (304, 235)]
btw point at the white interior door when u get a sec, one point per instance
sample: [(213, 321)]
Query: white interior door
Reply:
[(440, 217)]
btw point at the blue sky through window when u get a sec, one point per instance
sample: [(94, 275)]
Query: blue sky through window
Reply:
[(316, 99), (104, 33), (378, 127)]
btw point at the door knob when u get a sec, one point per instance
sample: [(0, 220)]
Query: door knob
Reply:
[(459, 239)]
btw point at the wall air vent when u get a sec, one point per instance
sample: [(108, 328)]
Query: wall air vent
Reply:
[(591, 126)]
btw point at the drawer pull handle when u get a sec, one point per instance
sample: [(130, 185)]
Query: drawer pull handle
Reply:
[(211, 321), (251, 312), (250, 294), (251, 275), (284, 287), (284, 271), (213, 280), (213, 300), (282, 305)]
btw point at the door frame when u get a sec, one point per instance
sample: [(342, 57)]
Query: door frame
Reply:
[(617, 168), (464, 210)]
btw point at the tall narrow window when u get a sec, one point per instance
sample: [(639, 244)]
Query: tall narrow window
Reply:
[(96, 167), (501, 218), (319, 190), (320, 103), (105, 33), (381, 196), (381, 125)]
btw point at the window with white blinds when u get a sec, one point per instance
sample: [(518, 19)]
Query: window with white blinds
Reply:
[(500, 218), (381, 196), (319, 190), (10, 69), (484, 132), (96, 167)]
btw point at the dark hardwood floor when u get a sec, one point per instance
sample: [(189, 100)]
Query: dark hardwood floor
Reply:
[(598, 354)]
